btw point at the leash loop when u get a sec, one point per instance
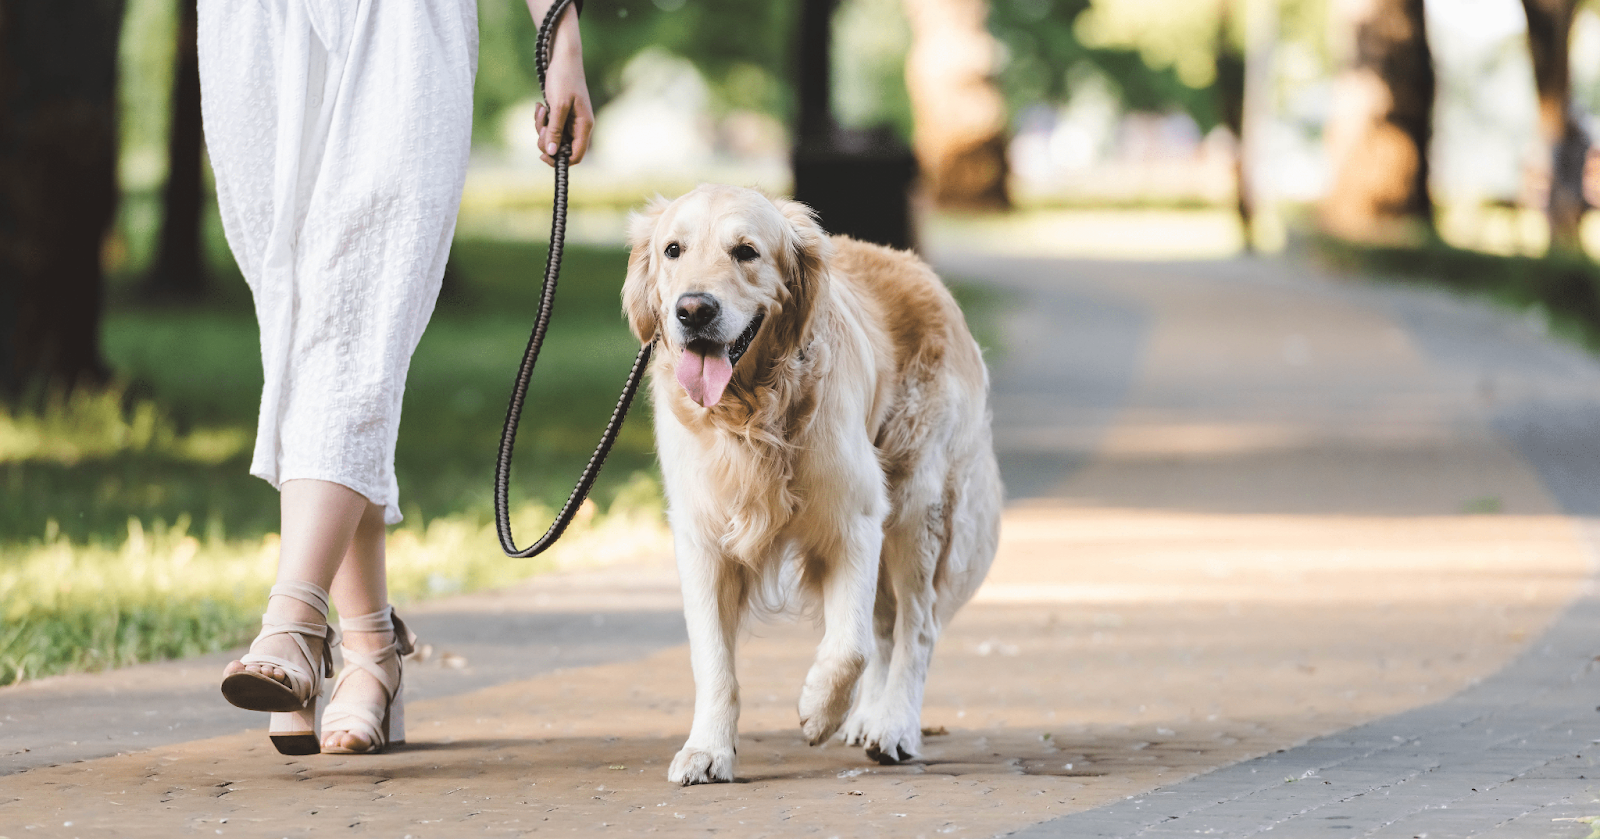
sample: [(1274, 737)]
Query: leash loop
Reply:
[(519, 390)]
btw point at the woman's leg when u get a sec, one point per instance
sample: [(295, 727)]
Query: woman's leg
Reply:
[(360, 588), (319, 519)]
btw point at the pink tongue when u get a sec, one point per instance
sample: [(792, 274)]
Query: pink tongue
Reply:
[(704, 377)]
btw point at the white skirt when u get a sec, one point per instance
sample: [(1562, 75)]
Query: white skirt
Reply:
[(338, 131)]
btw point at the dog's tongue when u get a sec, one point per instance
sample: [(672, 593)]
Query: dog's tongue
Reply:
[(704, 377)]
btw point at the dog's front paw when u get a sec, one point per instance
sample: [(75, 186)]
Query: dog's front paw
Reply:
[(891, 739), (821, 714), (854, 731), (825, 700), (701, 766)]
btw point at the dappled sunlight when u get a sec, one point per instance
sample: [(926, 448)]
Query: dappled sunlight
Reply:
[(90, 425), (1144, 234), (1069, 553), (1506, 230)]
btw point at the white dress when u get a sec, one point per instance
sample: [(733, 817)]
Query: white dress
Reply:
[(338, 131)]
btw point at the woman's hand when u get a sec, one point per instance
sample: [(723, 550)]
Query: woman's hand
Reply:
[(566, 93)]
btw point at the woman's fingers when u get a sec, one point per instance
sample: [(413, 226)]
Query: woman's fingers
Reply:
[(582, 128), (550, 141)]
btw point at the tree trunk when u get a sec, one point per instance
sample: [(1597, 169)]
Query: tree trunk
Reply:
[(959, 117), (58, 188), (1549, 31), (179, 269), (1230, 91), (1381, 124)]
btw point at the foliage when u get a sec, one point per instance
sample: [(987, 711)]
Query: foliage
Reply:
[(144, 90), (741, 48), (870, 42), (1047, 48), (1180, 36)]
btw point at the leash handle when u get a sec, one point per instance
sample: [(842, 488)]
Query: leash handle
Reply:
[(519, 390)]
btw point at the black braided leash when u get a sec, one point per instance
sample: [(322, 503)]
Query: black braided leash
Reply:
[(519, 391)]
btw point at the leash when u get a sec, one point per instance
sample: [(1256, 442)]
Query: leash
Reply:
[(519, 391)]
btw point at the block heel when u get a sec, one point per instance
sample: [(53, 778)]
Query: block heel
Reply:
[(295, 732)]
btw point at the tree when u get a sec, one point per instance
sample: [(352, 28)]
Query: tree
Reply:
[(1381, 124), (1229, 84), (58, 187), (179, 269), (1549, 36), (959, 115)]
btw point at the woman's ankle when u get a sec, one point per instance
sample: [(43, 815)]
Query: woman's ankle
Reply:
[(291, 610), (367, 642)]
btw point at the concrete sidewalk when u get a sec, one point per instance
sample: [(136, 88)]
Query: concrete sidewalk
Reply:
[(1282, 554)]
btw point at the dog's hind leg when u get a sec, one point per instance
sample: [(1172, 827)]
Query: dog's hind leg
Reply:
[(916, 548), (714, 592), (848, 572)]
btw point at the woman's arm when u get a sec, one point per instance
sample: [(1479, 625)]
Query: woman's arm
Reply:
[(566, 93)]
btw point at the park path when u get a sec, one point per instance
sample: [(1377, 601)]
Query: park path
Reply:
[(1281, 553)]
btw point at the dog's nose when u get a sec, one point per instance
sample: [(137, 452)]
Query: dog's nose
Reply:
[(697, 309)]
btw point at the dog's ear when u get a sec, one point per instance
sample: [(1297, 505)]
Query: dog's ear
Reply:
[(638, 290), (809, 250)]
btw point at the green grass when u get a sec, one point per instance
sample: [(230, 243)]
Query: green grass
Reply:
[(131, 530), (1563, 289)]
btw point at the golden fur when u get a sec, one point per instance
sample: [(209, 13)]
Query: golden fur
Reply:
[(849, 460)]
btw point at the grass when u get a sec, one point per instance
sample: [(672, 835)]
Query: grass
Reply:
[(130, 529), (1563, 290), (165, 592)]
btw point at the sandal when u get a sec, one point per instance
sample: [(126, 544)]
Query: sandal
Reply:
[(294, 703), (387, 728)]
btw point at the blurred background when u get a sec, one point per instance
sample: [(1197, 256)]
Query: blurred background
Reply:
[(1445, 141)]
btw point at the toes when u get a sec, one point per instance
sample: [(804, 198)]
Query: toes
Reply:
[(695, 766), (345, 740), (891, 750)]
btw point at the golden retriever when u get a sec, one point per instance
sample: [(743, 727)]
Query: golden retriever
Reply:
[(822, 420)]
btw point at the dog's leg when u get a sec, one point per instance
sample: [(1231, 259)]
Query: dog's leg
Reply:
[(713, 605), (911, 554), (876, 677), (849, 579)]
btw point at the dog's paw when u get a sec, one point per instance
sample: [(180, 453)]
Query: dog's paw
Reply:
[(889, 740), (821, 715), (854, 730), (825, 701), (701, 766)]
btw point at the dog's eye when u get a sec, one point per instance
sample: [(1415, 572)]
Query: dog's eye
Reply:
[(673, 251), (745, 253)]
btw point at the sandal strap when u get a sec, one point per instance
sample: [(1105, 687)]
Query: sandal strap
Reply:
[(310, 594), (363, 718), (383, 620), (302, 675), (354, 719)]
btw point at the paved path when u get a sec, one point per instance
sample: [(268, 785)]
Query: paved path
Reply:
[(1263, 527)]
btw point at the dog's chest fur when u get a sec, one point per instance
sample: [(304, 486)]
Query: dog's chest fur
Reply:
[(738, 471)]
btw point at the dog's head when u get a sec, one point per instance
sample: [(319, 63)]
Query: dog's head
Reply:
[(722, 275)]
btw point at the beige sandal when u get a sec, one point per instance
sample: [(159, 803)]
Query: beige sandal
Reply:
[(388, 727), (294, 703)]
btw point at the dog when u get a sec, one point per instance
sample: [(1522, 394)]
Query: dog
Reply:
[(823, 428)]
